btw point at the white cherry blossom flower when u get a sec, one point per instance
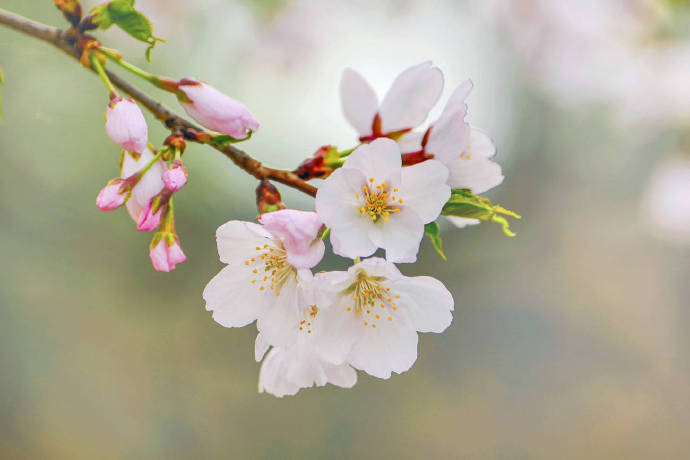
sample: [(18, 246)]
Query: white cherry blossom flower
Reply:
[(259, 282), (374, 315), (373, 202), (148, 186), (404, 107)]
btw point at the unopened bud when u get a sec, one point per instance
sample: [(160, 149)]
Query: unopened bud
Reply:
[(125, 125), (176, 176), (268, 198), (71, 9), (150, 217), (321, 165), (109, 197), (165, 251)]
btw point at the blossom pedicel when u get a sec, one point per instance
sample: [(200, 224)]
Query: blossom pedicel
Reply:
[(215, 110)]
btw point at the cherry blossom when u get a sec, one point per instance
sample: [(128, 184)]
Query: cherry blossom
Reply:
[(125, 124), (404, 107), (259, 282), (373, 202), (374, 313), (215, 110), (165, 252), (176, 176), (150, 184)]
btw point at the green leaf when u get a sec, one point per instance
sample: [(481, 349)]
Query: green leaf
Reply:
[(123, 14), (464, 203), (223, 139), (434, 233)]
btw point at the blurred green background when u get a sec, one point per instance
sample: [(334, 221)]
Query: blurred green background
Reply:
[(569, 340)]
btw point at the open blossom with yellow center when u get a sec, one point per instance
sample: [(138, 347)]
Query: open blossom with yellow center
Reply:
[(373, 202), (373, 315), (267, 269)]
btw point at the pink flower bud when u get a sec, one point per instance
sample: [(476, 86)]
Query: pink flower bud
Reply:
[(109, 197), (176, 177), (299, 232), (148, 219), (165, 252), (125, 125), (215, 110)]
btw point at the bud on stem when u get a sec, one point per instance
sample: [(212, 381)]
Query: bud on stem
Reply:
[(268, 198), (71, 9)]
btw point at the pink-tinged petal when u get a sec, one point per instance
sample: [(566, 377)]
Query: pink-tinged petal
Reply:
[(298, 230), (378, 159), (159, 257), (425, 302), (149, 220), (456, 103), (125, 125), (110, 198), (359, 102), (477, 174), (424, 189), (175, 177), (237, 241), (175, 254), (413, 93), (461, 222), (215, 110), (449, 138), (149, 186), (390, 347), (400, 236)]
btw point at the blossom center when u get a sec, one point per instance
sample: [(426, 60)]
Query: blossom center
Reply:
[(373, 302), (270, 268), (378, 201), (308, 317)]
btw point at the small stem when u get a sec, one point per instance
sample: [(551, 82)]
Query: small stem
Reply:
[(146, 168), (98, 67), (163, 83)]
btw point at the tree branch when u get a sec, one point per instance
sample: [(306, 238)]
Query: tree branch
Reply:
[(66, 41)]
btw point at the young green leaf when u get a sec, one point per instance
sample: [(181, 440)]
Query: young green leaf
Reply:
[(464, 203), (434, 233), (123, 14)]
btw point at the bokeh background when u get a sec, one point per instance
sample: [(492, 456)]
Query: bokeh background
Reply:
[(569, 341)]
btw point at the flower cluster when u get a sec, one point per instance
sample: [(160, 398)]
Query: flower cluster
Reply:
[(382, 195), (146, 183)]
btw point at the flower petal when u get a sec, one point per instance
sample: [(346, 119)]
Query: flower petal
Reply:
[(413, 93), (475, 173), (480, 145), (424, 189), (425, 302), (378, 159), (278, 321), (238, 240), (390, 347), (298, 230), (359, 101), (449, 138), (462, 222), (336, 202), (456, 102), (233, 299), (261, 346), (411, 142), (400, 236)]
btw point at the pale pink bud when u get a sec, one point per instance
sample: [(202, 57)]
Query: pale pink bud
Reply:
[(159, 256), (109, 197), (165, 256), (148, 219), (215, 110), (125, 124), (176, 177), (299, 232)]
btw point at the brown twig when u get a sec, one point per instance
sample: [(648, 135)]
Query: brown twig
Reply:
[(67, 42)]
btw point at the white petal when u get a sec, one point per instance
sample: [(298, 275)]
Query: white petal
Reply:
[(462, 222), (456, 102), (390, 347), (233, 299), (271, 375), (411, 142), (261, 346), (149, 186), (237, 240), (413, 93), (449, 138), (336, 202), (481, 145), (425, 302), (376, 266), (475, 173), (354, 240), (279, 321), (378, 159), (424, 189), (400, 236), (338, 331), (359, 101)]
